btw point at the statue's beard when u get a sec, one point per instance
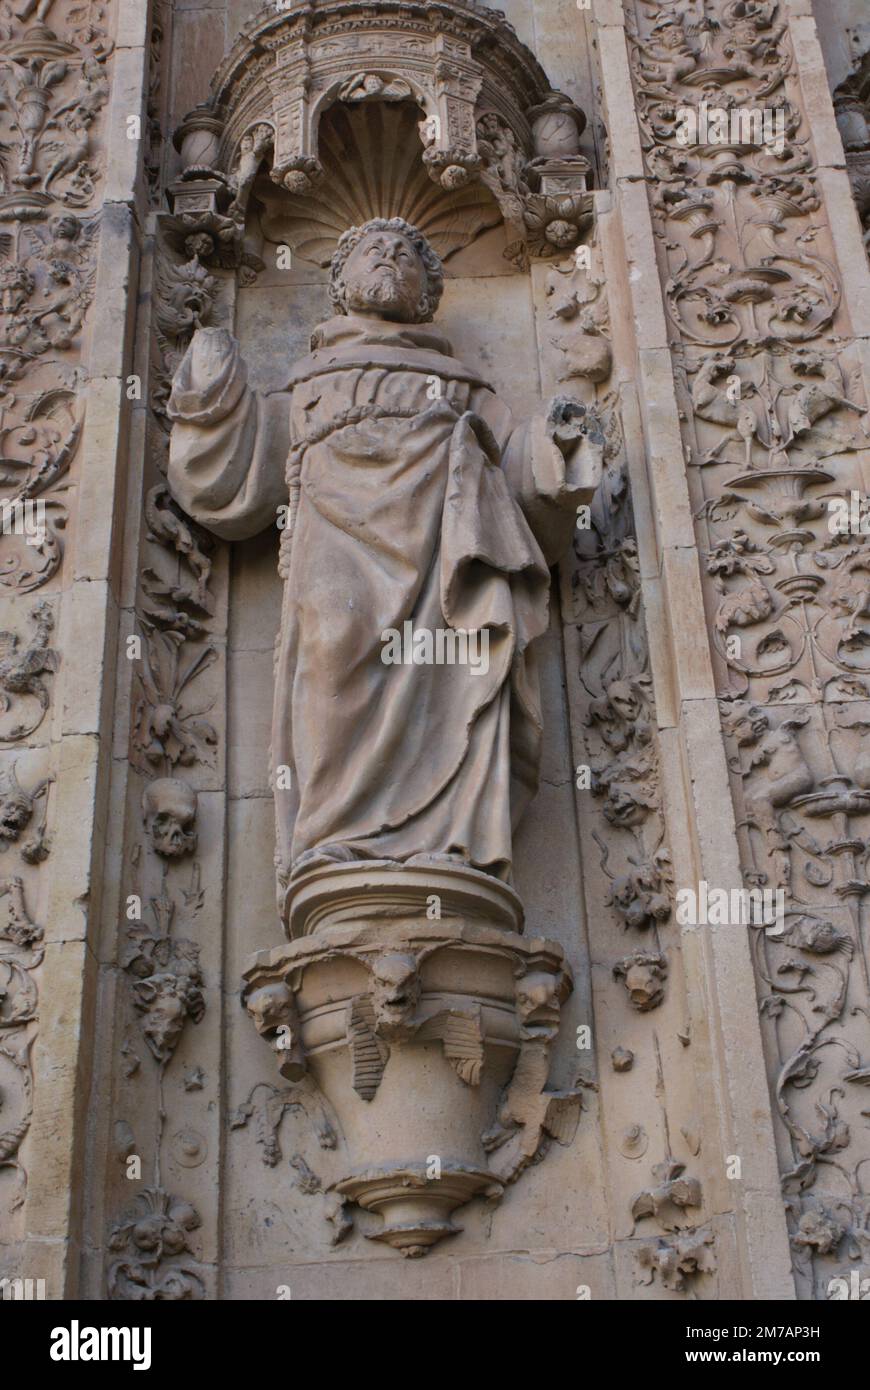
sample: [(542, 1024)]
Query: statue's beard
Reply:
[(386, 293)]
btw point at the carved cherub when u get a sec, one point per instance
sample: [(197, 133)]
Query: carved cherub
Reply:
[(788, 774), (672, 56), (72, 153), (65, 314), (252, 148), (716, 397), (369, 86), (65, 239), (22, 669)]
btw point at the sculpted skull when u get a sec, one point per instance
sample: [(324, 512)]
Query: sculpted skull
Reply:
[(395, 991), (169, 808)]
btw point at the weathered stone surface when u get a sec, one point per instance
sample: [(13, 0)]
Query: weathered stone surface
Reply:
[(576, 384)]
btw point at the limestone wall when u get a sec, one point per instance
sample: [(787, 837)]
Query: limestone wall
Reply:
[(720, 1151)]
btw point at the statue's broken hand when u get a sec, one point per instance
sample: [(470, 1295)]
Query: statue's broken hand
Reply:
[(576, 430)]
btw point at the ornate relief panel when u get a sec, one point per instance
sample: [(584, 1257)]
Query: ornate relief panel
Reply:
[(55, 66), (775, 435)]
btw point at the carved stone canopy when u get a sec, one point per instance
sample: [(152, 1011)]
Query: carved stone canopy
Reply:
[(469, 109)]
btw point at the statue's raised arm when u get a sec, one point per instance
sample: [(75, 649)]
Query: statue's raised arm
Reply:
[(229, 443)]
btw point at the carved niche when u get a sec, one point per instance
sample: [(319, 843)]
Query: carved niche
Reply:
[(315, 93), (409, 976)]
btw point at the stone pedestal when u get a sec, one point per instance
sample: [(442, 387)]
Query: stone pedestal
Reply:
[(423, 1015)]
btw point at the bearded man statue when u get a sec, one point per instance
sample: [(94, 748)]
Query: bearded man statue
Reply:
[(410, 498)]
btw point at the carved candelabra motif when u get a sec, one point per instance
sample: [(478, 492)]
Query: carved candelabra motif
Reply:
[(54, 65), (775, 437)]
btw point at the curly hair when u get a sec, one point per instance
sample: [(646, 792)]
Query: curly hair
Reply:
[(431, 264)]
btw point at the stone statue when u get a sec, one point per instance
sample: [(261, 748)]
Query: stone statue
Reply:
[(415, 507)]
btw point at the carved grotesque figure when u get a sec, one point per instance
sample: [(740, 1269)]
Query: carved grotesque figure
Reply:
[(273, 1009), (395, 992), (643, 975), (415, 503), (166, 1000), (539, 1000), (16, 809), (169, 808)]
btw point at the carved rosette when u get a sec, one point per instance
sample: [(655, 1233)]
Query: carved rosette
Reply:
[(412, 1000)]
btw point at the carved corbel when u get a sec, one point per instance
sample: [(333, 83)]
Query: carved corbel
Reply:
[(367, 986)]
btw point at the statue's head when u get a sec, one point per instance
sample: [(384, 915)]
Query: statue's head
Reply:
[(386, 268)]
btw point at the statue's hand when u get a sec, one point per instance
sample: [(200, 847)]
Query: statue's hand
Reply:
[(576, 430)]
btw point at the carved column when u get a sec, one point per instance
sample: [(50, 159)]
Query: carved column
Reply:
[(748, 289), (74, 79)]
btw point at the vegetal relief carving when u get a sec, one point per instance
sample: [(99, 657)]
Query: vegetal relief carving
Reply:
[(56, 89), (776, 440), (677, 1260), (156, 1261), (21, 952), (621, 743), (24, 694), (166, 980)]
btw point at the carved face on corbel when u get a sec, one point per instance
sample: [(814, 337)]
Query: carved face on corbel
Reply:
[(539, 998), (395, 991), (386, 269), (169, 808), (270, 1006), (273, 1009)]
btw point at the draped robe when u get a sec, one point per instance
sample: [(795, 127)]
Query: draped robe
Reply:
[(412, 497)]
